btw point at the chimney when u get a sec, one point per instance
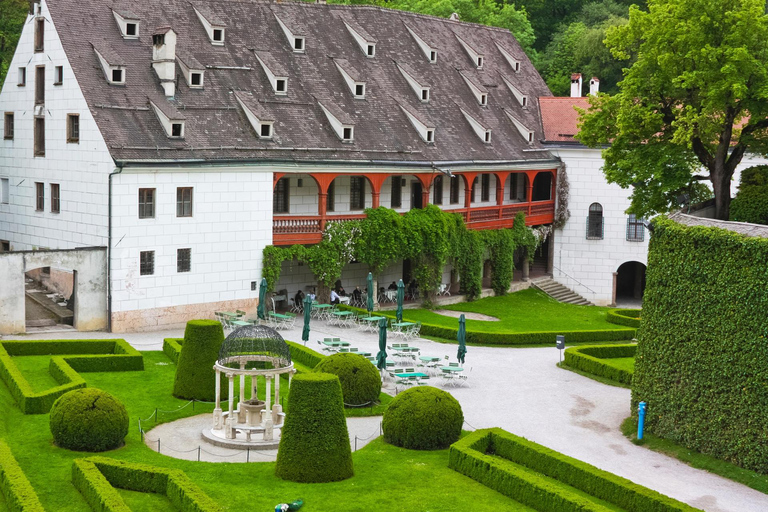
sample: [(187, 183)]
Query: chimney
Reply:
[(164, 58), (576, 85), (594, 86), (454, 17)]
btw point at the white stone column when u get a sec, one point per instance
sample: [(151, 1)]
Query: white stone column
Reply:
[(277, 389), (277, 408), (240, 408), (230, 418), (217, 410), (268, 398)]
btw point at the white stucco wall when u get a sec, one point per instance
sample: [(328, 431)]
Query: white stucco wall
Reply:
[(81, 169)]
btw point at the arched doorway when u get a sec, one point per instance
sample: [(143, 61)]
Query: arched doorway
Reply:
[(630, 283)]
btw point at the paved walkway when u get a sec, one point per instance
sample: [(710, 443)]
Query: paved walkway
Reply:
[(523, 391)]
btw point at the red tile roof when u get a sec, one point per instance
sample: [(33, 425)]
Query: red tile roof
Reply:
[(560, 118)]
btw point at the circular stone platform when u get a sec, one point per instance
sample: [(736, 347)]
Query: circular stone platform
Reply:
[(467, 315), (238, 444)]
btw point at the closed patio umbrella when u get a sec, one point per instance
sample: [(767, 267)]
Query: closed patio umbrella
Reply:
[(381, 357), (369, 302), (307, 312), (400, 298), (261, 311), (462, 338)]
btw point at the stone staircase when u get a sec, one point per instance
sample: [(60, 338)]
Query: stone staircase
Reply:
[(559, 292)]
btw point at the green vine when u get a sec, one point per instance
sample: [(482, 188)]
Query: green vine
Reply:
[(501, 249)]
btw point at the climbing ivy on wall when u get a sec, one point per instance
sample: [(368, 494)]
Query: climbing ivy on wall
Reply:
[(429, 237), (703, 343)]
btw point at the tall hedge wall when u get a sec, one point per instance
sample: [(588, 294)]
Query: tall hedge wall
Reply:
[(702, 356)]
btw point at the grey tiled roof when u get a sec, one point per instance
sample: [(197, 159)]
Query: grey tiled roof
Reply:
[(216, 127), (744, 228)]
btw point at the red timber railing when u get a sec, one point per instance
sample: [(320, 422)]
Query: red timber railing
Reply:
[(307, 229)]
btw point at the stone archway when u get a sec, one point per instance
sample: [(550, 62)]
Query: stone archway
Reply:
[(630, 283), (89, 266)]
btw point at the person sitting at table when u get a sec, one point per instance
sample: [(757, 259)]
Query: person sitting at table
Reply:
[(412, 289), (335, 298), (299, 299), (357, 295), (393, 286), (341, 291)]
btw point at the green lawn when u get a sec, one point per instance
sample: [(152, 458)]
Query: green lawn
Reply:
[(35, 370), (146, 501), (524, 311), (622, 363), (386, 477)]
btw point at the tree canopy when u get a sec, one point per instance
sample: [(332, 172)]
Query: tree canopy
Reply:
[(691, 104), (12, 16)]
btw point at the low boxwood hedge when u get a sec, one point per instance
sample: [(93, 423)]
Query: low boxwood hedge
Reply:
[(97, 477), (14, 485), (592, 360), (628, 317), (81, 356), (314, 446), (518, 338), (303, 355), (525, 471), (360, 380), (423, 418), (172, 348), (88, 419)]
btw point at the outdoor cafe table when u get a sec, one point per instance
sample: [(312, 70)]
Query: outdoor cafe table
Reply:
[(229, 314), (371, 322), (411, 374), (320, 310), (342, 318), (452, 369), (336, 343), (406, 350), (402, 327), (429, 359)]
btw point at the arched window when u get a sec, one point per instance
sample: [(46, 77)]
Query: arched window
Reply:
[(595, 222)]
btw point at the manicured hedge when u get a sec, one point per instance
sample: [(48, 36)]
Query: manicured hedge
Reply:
[(519, 338), (303, 355), (360, 380), (172, 348), (592, 360), (88, 419), (16, 489), (628, 317), (702, 351), (314, 446), (423, 418), (96, 478), (195, 376), (523, 470), (82, 356), (751, 202)]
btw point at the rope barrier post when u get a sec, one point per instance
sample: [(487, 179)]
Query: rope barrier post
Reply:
[(155, 413), (193, 404), (248, 455), (198, 453), (355, 443), (158, 445)]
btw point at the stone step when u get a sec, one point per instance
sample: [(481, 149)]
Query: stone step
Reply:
[(43, 322), (560, 293)]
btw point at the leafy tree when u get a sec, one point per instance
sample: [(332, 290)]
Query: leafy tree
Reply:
[(12, 16), (381, 239), (694, 99)]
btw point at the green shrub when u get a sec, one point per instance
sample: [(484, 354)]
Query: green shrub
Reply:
[(360, 380), (702, 350), (172, 348), (82, 356), (423, 418), (315, 443), (524, 470), (303, 355), (14, 485), (628, 317), (97, 477), (592, 360), (751, 202), (195, 376), (89, 420)]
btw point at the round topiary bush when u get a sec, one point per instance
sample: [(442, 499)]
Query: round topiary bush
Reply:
[(423, 418), (195, 376), (315, 443), (360, 380), (88, 420)]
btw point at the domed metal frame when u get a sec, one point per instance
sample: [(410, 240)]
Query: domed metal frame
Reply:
[(254, 343)]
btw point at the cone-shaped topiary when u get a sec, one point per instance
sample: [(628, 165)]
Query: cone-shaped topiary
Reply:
[(88, 420), (423, 418), (315, 443), (360, 380), (195, 377)]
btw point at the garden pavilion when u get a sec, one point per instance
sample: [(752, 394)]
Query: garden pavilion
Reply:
[(255, 351)]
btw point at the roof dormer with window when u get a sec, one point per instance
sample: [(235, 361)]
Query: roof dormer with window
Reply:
[(261, 121), (366, 42), (422, 91), (429, 52), (513, 61), (128, 23), (112, 64), (276, 75), (213, 27), (527, 134), (295, 39), (480, 92), (477, 58), (341, 124), (171, 120), (481, 131), (426, 132), (521, 98), (351, 78), (192, 70)]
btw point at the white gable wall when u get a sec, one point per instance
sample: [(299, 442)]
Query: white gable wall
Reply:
[(81, 169)]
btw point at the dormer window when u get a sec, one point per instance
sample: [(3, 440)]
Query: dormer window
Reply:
[(488, 136), (295, 39), (359, 90), (213, 27), (265, 130), (275, 73), (298, 44), (131, 29), (480, 130), (364, 40), (340, 122), (259, 118), (347, 134), (427, 133), (117, 76), (430, 136), (191, 69), (433, 56), (351, 78), (158, 39), (478, 90), (483, 99), (112, 65), (425, 95), (280, 85), (513, 62), (128, 23), (170, 119), (429, 51), (527, 134), (477, 58), (195, 79), (421, 90), (519, 96)]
